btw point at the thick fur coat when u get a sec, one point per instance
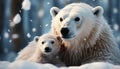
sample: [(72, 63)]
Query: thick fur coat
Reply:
[(88, 38)]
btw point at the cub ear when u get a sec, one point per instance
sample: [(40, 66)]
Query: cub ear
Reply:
[(36, 38), (98, 11), (54, 11)]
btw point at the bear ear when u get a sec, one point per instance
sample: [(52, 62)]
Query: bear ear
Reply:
[(54, 11), (98, 11), (36, 38)]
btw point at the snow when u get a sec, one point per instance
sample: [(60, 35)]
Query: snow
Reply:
[(46, 25), (8, 30), (26, 5), (30, 65), (40, 26), (33, 29), (17, 18), (48, 3), (116, 27), (10, 41), (28, 35), (30, 20), (15, 36), (40, 13), (6, 35), (115, 10)]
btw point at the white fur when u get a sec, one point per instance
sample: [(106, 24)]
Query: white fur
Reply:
[(90, 39)]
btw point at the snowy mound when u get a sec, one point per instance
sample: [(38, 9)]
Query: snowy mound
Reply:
[(30, 65)]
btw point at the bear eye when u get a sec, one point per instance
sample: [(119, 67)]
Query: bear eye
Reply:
[(77, 19), (36, 39), (52, 42), (61, 19), (43, 42)]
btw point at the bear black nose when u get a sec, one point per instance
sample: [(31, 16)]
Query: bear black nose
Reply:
[(64, 31), (47, 49)]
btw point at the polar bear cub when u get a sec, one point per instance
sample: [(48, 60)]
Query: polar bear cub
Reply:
[(47, 50)]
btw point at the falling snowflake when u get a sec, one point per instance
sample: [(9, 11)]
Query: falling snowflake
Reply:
[(17, 19), (30, 20), (8, 30), (93, 0), (26, 5), (28, 35), (10, 41), (48, 3), (15, 36), (46, 25), (115, 10), (40, 26), (33, 29), (6, 35), (41, 13), (116, 27)]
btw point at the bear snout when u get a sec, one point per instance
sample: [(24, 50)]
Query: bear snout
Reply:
[(48, 49), (64, 31)]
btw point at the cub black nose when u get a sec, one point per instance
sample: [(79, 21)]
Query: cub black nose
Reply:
[(64, 31), (47, 49)]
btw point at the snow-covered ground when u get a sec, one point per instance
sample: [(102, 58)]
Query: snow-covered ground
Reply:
[(31, 65)]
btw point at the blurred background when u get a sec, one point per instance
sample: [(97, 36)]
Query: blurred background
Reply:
[(37, 21)]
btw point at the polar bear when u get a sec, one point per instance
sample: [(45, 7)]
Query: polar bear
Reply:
[(47, 50), (43, 49), (86, 35)]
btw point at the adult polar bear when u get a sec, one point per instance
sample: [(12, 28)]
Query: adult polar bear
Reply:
[(86, 35)]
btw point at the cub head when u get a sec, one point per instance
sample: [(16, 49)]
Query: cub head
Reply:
[(48, 44), (77, 19)]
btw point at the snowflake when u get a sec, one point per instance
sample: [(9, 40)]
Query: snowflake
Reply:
[(115, 10), (116, 27), (15, 36), (6, 35), (93, 0), (33, 29), (40, 26), (28, 35), (46, 25), (30, 20), (48, 3), (10, 41), (26, 5), (8, 30), (41, 13), (17, 19)]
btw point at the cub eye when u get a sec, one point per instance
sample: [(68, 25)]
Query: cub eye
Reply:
[(77, 19), (36, 39), (61, 19), (52, 42), (43, 42)]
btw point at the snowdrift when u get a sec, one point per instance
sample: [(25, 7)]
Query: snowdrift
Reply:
[(31, 65)]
